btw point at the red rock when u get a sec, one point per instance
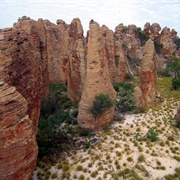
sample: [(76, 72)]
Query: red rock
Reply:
[(18, 148), (57, 51), (77, 60), (168, 46), (148, 74), (23, 62), (97, 80)]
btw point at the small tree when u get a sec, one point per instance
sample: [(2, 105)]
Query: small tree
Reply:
[(101, 103), (152, 134), (174, 68), (125, 97)]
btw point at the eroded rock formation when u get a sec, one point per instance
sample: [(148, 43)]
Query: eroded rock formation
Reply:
[(23, 64), (97, 80), (35, 53), (168, 46), (77, 60), (18, 148), (148, 83)]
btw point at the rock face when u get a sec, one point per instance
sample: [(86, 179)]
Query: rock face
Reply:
[(168, 46), (148, 76), (18, 148), (120, 63), (97, 80), (77, 60), (57, 50), (155, 28), (23, 73)]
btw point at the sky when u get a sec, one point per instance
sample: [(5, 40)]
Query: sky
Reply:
[(107, 12)]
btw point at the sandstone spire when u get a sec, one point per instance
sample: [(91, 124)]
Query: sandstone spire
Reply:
[(77, 60), (97, 80), (148, 76)]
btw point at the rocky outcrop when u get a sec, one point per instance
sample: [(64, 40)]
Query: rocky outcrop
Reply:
[(18, 148), (77, 60), (97, 80), (148, 76), (155, 29), (57, 50), (23, 73), (168, 46)]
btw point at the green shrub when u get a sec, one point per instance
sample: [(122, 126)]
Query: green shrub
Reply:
[(157, 45), (125, 97), (65, 167), (176, 83), (52, 115), (106, 128), (142, 37), (141, 158), (81, 177), (85, 132), (54, 175), (152, 134), (79, 168), (176, 41), (101, 103)]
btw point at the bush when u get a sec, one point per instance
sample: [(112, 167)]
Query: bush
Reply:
[(142, 37), (176, 83), (79, 168), (152, 134), (54, 176), (157, 45), (177, 42), (101, 103), (125, 97), (65, 167), (52, 115), (141, 158)]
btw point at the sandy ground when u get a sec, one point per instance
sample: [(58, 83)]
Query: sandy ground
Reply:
[(119, 149)]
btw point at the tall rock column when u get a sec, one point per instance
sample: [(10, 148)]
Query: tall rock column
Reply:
[(97, 80), (77, 60), (148, 81)]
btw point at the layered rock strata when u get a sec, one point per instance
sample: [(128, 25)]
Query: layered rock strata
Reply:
[(18, 148), (97, 80), (24, 82)]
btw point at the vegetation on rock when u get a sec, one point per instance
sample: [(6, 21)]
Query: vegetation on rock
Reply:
[(101, 103)]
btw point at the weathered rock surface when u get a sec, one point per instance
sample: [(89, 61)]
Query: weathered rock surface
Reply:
[(77, 60), (97, 80), (35, 53), (57, 50), (18, 148), (155, 29), (120, 63), (148, 75), (168, 46), (23, 69)]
